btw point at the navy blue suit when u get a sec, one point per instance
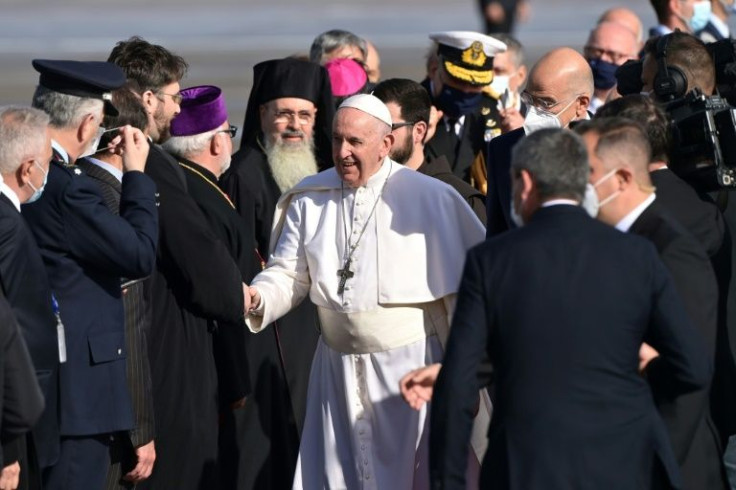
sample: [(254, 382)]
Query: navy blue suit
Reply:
[(498, 197), (561, 307), (86, 250)]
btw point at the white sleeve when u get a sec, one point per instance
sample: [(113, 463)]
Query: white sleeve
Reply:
[(285, 281)]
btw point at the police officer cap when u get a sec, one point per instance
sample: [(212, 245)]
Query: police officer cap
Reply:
[(468, 56), (93, 79)]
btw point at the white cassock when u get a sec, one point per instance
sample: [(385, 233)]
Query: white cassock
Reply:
[(358, 432)]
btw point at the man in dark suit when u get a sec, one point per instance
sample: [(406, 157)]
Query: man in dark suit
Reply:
[(86, 250), (559, 91), (571, 409), (695, 212), (195, 281), (21, 403), (25, 150), (619, 152), (133, 452)]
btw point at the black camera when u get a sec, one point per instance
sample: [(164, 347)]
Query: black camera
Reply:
[(703, 131)]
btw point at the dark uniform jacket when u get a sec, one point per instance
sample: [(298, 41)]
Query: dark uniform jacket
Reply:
[(137, 310), (478, 129), (563, 331), (86, 250), (26, 287), (439, 168)]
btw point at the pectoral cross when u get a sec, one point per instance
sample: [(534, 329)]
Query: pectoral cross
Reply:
[(345, 273)]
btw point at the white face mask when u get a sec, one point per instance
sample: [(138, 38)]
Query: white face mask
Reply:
[(92, 148), (590, 200), (537, 119), (515, 216), (500, 84)]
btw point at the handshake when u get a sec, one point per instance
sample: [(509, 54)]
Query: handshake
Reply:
[(251, 299)]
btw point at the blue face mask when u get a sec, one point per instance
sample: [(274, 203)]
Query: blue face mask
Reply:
[(37, 192), (701, 15), (455, 103), (604, 74)]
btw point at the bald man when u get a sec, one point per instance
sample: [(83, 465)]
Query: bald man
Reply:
[(609, 46), (626, 18), (559, 91)]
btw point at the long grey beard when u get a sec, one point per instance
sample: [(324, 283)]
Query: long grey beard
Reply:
[(290, 163)]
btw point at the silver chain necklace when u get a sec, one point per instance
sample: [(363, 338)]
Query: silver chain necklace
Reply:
[(345, 273)]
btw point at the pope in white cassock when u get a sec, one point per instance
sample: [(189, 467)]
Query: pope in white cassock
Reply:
[(380, 250)]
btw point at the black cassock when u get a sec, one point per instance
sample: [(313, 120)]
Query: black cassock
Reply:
[(230, 340), (280, 356), (195, 281)]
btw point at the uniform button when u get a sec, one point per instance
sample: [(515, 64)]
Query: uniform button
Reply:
[(120, 351), (367, 477), (361, 432)]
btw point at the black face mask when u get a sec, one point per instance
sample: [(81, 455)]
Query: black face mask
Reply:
[(455, 103), (604, 74)]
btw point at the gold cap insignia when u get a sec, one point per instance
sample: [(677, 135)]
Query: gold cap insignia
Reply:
[(474, 55)]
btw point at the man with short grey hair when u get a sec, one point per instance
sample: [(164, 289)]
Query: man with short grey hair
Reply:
[(337, 43), (378, 248), (570, 403), (25, 151)]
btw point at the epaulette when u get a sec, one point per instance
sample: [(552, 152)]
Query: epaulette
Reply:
[(70, 168)]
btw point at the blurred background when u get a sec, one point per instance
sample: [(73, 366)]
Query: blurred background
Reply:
[(223, 39)]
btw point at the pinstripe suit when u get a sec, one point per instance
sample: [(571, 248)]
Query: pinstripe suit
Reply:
[(137, 324)]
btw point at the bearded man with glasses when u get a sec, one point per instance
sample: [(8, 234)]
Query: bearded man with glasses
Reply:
[(286, 137)]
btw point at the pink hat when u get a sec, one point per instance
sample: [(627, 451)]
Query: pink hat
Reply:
[(347, 76)]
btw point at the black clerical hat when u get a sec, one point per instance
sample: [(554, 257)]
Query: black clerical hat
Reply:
[(290, 77), (93, 79)]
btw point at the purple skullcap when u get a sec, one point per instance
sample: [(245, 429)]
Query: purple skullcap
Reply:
[(346, 76), (202, 109)]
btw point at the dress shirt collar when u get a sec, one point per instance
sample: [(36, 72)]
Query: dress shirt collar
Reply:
[(114, 171), (4, 189), (720, 26), (61, 151), (557, 202), (628, 220)]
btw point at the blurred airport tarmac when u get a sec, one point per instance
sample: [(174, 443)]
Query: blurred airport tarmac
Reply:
[(223, 39)]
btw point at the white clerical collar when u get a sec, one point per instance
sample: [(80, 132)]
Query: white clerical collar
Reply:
[(378, 179), (628, 220), (720, 26), (61, 151), (557, 202), (4, 189), (114, 171)]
